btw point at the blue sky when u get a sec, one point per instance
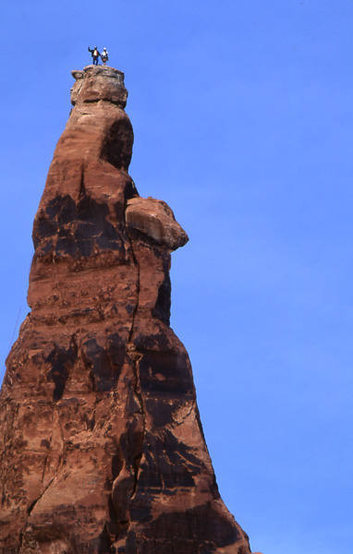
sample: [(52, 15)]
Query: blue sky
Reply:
[(242, 112)]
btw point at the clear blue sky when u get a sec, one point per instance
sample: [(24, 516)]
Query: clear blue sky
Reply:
[(243, 119)]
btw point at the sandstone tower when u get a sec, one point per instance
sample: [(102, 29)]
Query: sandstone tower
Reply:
[(101, 444)]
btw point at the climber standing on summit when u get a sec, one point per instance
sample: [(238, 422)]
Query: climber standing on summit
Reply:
[(104, 55), (95, 54)]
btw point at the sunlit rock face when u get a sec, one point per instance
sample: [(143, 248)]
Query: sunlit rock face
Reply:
[(101, 443)]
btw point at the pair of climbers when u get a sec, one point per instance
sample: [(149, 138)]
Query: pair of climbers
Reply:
[(95, 55)]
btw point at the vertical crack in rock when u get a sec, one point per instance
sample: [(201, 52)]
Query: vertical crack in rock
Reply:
[(137, 389), (135, 358), (101, 445), (32, 506), (138, 286), (30, 510)]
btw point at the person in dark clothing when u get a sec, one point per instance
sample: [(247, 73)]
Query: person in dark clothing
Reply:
[(95, 54)]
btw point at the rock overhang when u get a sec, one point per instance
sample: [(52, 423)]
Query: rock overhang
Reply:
[(155, 219)]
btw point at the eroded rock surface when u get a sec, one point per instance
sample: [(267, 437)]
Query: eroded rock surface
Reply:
[(101, 443)]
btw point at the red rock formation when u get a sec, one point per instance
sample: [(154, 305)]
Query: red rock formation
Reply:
[(101, 443)]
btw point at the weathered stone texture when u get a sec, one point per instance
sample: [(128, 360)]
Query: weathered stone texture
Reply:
[(101, 444)]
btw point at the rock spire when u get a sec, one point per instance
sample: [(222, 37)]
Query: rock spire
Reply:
[(101, 445)]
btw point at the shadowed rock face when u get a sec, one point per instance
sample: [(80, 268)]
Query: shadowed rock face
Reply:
[(101, 444)]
